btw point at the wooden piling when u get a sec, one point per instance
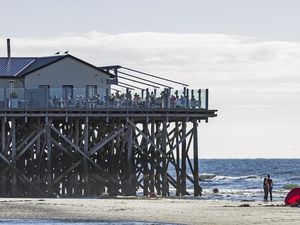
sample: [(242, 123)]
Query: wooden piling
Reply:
[(197, 189), (89, 155)]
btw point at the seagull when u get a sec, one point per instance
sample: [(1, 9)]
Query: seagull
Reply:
[(66, 52), (57, 53)]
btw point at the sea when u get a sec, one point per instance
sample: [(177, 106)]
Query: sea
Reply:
[(242, 179), (235, 179)]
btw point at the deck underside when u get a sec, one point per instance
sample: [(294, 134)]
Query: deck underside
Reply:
[(89, 153)]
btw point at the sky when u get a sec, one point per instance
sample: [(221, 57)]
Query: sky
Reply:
[(247, 52)]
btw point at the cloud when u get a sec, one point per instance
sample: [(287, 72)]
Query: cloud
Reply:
[(204, 59), (230, 65), (235, 68), (254, 84)]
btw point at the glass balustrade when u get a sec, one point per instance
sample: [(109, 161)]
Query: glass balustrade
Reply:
[(101, 98)]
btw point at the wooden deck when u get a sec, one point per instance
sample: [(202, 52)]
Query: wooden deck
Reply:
[(171, 114)]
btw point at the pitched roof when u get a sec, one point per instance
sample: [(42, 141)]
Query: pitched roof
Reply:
[(39, 63), (20, 66), (12, 66)]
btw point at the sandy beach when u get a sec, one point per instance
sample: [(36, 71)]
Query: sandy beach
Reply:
[(168, 210)]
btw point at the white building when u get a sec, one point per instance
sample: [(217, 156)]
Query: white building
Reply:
[(62, 76)]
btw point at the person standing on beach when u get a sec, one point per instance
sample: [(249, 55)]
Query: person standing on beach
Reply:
[(266, 189), (270, 186)]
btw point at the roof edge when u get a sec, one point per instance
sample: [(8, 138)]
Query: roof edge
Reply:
[(63, 57), (41, 66)]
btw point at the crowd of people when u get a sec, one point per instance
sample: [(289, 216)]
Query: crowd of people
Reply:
[(123, 100)]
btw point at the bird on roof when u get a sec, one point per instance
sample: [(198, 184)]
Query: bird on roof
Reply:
[(57, 53), (66, 52)]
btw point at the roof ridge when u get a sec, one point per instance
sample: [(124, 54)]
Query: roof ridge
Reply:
[(51, 56)]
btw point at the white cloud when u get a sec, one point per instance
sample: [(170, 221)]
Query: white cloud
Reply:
[(259, 78), (212, 59)]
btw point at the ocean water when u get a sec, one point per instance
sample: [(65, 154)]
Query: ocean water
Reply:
[(241, 179)]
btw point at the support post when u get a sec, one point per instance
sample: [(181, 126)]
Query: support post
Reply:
[(157, 160), (3, 150), (199, 98), (49, 158), (164, 160), (130, 187), (147, 99), (86, 151), (145, 160), (13, 157), (206, 99), (183, 160), (38, 154), (77, 188), (178, 174), (197, 188), (187, 98), (152, 158)]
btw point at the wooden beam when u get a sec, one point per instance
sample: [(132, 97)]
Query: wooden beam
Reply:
[(80, 151), (183, 139), (183, 160), (49, 156), (85, 161), (13, 156), (148, 140), (33, 140), (3, 150), (165, 187), (104, 141), (197, 189)]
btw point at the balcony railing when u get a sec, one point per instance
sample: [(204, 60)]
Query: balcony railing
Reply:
[(81, 98)]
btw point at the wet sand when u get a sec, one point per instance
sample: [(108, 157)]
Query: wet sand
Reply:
[(168, 210)]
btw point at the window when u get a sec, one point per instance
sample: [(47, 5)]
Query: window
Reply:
[(45, 91), (46, 88), (67, 91), (91, 90)]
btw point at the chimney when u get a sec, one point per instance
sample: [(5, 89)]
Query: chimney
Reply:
[(8, 48)]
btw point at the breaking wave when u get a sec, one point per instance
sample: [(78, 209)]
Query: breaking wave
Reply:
[(215, 177)]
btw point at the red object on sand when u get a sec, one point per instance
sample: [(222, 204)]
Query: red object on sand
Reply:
[(293, 197)]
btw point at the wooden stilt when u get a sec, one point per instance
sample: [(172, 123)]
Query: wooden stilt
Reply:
[(13, 157), (178, 175), (152, 158), (3, 151), (157, 161), (145, 161), (165, 187), (90, 154), (86, 150), (129, 189), (183, 161), (49, 158), (197, 189)]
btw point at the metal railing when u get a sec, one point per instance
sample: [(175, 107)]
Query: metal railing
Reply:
[(101, 98)]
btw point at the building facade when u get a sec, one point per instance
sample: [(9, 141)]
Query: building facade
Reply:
[(41, 79)]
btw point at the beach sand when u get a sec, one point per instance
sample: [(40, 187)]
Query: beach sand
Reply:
[(169, 210)]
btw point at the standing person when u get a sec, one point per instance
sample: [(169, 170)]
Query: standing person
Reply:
[(266, 189), (270, 185)]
